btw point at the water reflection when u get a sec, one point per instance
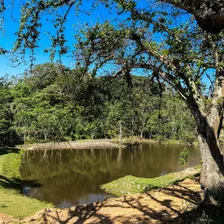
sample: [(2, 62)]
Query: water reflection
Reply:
[(71, 177)]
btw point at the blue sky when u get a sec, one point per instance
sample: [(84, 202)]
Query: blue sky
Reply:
[(73, 24)]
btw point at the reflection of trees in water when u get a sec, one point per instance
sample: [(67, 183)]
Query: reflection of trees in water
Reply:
[(46, 163), (135, 150), (71, 174), (145, 160), (69, 187), (119, 157)]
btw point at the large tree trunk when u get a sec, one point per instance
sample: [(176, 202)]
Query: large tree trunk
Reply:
[(212, 175)]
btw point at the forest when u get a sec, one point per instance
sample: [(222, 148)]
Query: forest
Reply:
[(149, 68), (54, 103)]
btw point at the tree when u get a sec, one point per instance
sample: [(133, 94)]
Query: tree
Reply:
[(182, 57), (7, 133), (209, 14), (43, 75)]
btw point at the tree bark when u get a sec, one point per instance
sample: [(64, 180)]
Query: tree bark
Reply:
[(92, 134), (141, 133), (208, 13), (45, 136), (212, 174), (120, 132)]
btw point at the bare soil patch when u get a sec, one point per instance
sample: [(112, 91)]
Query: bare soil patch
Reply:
[(82, 144), (4, 218)]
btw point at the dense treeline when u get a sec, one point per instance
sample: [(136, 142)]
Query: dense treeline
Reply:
[(52, 102)]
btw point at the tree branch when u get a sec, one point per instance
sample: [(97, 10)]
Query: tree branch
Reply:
[(209, 14)]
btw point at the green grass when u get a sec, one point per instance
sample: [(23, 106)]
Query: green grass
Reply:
[(18, 206), (11, 201), (133, 185), (9, 165)]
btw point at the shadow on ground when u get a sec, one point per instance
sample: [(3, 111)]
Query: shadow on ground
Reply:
[(6, 150), (201, 215), (15, 183), (159, 206)]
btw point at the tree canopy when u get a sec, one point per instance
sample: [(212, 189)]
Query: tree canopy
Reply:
[(160, 41), (34, 15), (53, 103)]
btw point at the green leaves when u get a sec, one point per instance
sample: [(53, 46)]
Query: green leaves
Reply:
[(184, 156), (7, 134), (54, 103)]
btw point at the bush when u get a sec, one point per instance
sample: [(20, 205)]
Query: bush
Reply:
[(184, 156)]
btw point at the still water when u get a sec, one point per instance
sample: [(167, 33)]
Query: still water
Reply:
[(71, 177)]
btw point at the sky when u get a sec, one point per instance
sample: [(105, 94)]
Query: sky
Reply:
[(73, 25), (11, 26)]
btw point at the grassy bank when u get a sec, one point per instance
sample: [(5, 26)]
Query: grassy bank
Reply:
[(11, 201), (134, 139), (133, 185)]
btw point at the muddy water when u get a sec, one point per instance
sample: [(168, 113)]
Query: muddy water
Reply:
[(71, 177)]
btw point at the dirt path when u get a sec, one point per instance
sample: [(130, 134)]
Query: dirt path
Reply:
[(158, 206), (4, 218)]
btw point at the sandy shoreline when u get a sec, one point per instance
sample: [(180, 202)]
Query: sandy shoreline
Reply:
[(86, 144), (81, 144)]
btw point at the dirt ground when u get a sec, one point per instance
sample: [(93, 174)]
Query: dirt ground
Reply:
[(4, 218), (83, 144), (80, 144), (157, 206)]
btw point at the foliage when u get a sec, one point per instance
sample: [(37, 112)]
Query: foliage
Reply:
[(184, 156), (7, 135), (146, 37), (178, 53), (69, 107)]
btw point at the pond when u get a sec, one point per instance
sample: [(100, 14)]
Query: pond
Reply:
[(71, 177)]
